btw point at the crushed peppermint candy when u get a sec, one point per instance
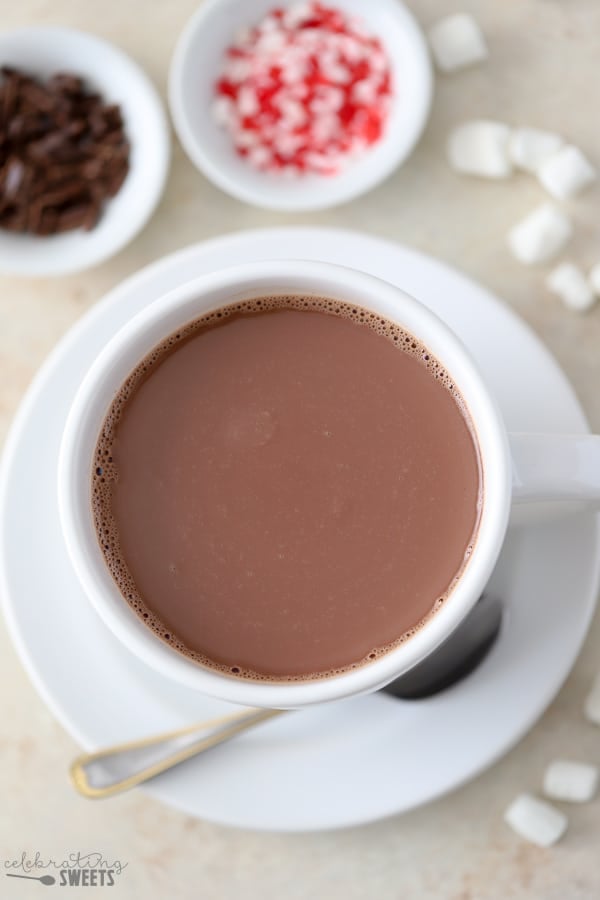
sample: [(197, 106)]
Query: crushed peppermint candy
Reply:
[(304, 91)]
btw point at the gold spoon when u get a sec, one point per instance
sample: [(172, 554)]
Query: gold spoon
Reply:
[(118, 768), (122, 766)]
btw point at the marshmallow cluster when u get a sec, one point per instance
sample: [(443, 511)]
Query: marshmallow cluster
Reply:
[(492, 149), (565, 780)]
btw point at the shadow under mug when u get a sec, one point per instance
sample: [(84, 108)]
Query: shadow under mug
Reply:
[(517, 470)]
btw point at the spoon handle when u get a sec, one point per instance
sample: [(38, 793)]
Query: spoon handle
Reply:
[(43, 879), (120, 767)]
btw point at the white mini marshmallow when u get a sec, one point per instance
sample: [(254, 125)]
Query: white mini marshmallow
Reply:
[(529, 147), (591, 708), (594, 280), (456, 42), (570, 284), (566, 172), (574, 782), (535, 820), (480, 148), (540, 235)]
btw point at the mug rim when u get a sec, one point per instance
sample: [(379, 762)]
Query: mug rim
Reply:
[(164, 316)]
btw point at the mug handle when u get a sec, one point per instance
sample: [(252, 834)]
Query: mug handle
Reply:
[(556, 468)]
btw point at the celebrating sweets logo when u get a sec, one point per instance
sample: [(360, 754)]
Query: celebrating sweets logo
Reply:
[(75, 870)]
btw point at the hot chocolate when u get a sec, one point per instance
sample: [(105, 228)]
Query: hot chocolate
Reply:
[(287, 488)]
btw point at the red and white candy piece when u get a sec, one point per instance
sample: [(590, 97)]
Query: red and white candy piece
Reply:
[(574, 782), (456, 42), (535, 820)]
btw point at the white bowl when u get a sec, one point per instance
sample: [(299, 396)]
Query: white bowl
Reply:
[(194, 70), (42, 51)]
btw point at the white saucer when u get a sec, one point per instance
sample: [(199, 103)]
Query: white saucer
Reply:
[(349, 762)]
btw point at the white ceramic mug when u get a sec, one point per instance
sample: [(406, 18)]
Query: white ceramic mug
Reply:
[(516, 468)]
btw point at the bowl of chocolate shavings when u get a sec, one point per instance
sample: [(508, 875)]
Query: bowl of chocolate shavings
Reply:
[(84, 150)]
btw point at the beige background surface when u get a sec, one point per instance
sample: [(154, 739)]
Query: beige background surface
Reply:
[(544, 71)]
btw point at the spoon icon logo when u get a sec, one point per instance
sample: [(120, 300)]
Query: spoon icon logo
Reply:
[(44, 879), (75, 869)]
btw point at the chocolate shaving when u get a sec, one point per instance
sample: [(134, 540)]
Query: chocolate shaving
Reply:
[(63, 153), (13, 178)]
